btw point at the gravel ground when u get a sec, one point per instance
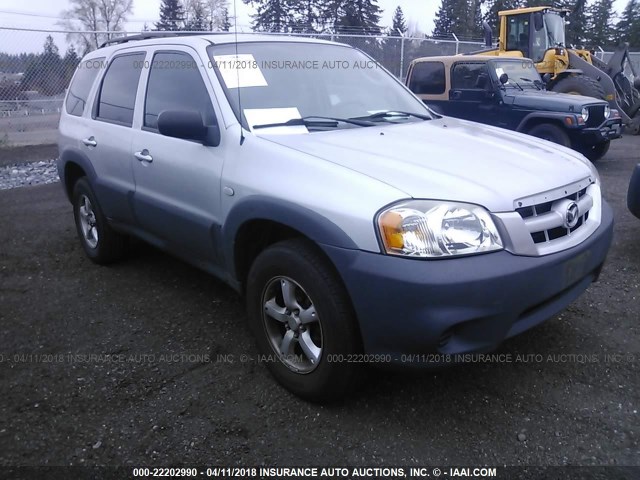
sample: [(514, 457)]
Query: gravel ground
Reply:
[(29, 173), (150, 362)]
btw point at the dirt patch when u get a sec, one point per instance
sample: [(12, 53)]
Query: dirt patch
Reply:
[(30, 153)]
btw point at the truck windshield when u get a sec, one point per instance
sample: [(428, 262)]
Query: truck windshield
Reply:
[(555, 29), (283, 81), (522, 73)]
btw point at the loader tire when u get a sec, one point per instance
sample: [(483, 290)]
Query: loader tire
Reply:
[(580, 85)]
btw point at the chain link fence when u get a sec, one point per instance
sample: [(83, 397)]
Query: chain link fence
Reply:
[(37, 65)]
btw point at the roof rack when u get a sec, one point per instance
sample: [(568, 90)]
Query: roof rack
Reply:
[(150, 35)]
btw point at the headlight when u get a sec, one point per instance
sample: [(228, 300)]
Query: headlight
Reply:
[(426, 228), (585, 114), (607, 111)]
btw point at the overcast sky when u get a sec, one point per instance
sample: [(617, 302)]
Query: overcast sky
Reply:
[(43, 14)]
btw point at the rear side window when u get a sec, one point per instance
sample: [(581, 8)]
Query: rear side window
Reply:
[(119, 87), (175, 83), (427, 78), (81, 85), (466, 76)]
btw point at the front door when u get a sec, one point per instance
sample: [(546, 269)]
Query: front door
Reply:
[(471, 96), (177, 197)]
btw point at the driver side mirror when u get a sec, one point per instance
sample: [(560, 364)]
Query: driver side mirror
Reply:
[(188, 125), (504, 79)]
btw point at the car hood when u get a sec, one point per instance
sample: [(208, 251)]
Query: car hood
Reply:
[(545, 100), (448, 159)]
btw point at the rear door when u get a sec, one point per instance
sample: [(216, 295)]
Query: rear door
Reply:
[(428, 81), (109, 137), (177, 196)]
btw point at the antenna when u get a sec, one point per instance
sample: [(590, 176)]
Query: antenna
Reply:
[(235, 28)]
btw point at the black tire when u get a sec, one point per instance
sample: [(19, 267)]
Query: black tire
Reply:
[(109, 245), (597, 151), (315, 283), (552, 133), (580, 85)]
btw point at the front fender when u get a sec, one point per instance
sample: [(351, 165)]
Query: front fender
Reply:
[(547, 116), (311, 224)]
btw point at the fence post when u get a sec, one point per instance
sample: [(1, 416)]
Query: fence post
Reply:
[(457, 43), (401, 55)]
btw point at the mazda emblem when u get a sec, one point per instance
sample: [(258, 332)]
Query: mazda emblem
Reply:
[(572, 215)]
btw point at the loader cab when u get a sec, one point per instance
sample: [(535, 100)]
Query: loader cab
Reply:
[(532, 31)]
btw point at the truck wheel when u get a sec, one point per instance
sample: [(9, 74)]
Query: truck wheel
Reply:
[(580, 85), (302, 319), (552, 133), (100, 242), (597, 151)]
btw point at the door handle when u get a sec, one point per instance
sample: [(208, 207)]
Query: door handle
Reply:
[(144, 156), (90, 142), (456, 94)]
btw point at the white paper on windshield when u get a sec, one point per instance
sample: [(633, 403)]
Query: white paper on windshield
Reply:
[(265, 116), (240, 71)]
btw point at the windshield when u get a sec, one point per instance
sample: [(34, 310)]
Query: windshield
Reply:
[(555, 29), (282, 81), (522, 73)]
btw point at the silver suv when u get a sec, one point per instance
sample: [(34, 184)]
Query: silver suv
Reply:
[(360, 226)]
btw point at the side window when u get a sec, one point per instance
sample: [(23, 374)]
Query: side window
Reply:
[(518, 33), (469, 76), (175, 83), (119, 87), (428, 78), (81, 85)]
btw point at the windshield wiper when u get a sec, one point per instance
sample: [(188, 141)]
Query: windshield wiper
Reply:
[(316, 121), (536, 83), (392, 113)]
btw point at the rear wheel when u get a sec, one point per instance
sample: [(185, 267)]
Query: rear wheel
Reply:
[(580, 85), (301, 317), (100, 242), (596, 152), (551, 133)]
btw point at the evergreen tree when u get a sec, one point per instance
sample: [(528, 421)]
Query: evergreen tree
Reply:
[(455, 17), (360, 16), (46, 73), (495, 6), (576, 23), (171, 16), (306, 15), (628, 28), (399, 25), (271, 15), (600, 31)]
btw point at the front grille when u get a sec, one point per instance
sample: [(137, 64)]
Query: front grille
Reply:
[(549, 221), (596, 116)]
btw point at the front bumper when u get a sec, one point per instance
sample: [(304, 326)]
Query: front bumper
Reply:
[(609, 130), (463, 305)]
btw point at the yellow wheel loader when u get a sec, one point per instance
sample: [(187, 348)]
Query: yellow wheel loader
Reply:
[(538, 33)]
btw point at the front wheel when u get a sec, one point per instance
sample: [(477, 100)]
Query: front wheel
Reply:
[(551, 133), (596, 152), (303, 322)]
